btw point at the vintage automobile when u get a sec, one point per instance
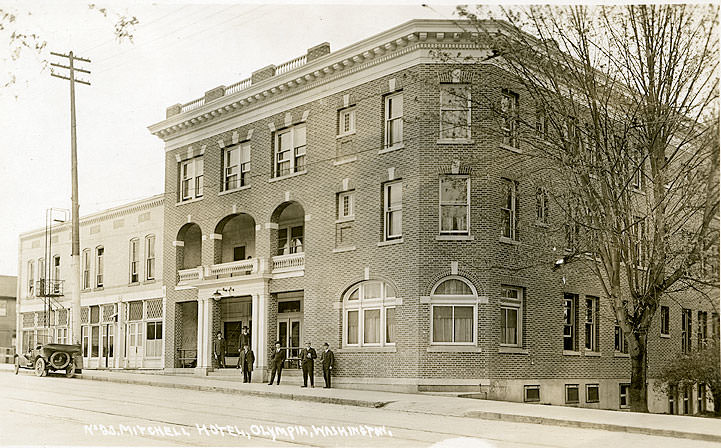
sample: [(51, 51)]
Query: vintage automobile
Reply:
[(51, 357)]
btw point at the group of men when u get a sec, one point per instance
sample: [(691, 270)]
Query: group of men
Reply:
[(246, 359)]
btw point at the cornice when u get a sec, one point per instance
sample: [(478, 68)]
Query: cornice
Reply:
[(104, 215), (406, 38)]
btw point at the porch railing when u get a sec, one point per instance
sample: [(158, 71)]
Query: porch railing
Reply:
[(188, 275), (240, 267), (287, 263)]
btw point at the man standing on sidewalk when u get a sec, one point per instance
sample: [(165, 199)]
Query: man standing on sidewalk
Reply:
[(276, 363), (248, 360), (219, 350), (327, 358), (307, 355)]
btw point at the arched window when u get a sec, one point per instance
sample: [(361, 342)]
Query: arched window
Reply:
[(454, 310), (369, 314)]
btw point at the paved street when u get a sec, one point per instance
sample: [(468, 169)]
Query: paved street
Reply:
[(58, 411)]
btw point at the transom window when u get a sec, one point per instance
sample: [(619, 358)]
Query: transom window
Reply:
[(454, 204), (236, 166), (290, 147), (191, 179), (454, 306), (455, 111), (369, 311)]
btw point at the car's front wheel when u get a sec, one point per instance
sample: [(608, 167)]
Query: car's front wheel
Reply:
[(16, 369), (70, 369), (40, 367)]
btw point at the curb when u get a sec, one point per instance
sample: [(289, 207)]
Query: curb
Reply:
[(516, 418), (229, 390)]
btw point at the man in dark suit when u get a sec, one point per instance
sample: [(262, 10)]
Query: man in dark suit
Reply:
[(242, 342), (327, 358), (219, 350), (248, 360), (276, 363), (307, 355)]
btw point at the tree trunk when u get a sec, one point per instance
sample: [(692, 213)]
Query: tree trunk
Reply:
[(638, 391), (716, 394)]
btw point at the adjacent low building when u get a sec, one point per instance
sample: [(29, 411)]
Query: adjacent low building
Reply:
[(8, 288)]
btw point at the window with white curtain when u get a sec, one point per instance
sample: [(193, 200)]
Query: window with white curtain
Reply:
[(369, 311), (454, 307)]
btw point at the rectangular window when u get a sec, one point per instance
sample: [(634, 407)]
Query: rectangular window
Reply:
[(508, 209), (619, 340), (134, 261), (191, 179), (541, 123), (591, 324), (352, 337), (452, 324), (715, 327), (511, 316), (371, 326), (150, 257), (509, 117), (638, 232), (31, 277), (390, 325), (623, 397), (99, 255), (636, 169), (345, 205), (672, 394), (94, 341), (236, 166), (665, 320), (702, 331), (531, 394), (701, 398), (455, 111), (454, 204), (86, 269), (685, 331), (346, 121), (571, 393), (393, 120), (86, 341), (393, 210), (154, 339), (541, 205), (570, 305), (290, 149), (686, 397), (592, 393)]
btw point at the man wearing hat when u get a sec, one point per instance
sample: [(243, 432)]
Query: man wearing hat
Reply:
[(242, 342), (307, 355), (276, 362), (219, 349), (327, 358), (248, 359)]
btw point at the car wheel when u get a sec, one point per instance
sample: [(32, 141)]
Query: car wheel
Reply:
[(16, 369), (70, 369), (40, 368), (59, 360)]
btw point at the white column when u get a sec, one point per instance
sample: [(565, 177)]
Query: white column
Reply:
[(204, 340), (260, 344), (120, 338)]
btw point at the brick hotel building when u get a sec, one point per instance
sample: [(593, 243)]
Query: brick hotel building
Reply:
[(325, 200)]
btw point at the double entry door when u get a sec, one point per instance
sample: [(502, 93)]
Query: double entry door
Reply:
[(134, 346), (289, 334)]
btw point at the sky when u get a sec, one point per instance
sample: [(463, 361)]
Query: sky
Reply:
[(179, 51)]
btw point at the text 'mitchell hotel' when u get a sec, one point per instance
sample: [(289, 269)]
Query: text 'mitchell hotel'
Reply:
[(328, 199)]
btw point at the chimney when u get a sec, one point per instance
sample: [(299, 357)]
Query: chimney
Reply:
[(318, 51)]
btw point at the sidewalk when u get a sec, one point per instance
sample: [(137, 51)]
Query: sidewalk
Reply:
[(707, 429)]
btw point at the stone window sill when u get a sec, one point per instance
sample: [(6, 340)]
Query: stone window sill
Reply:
[(511, 148), (513, 350), (506, 240), (244, 187), (454, 238), (390, 242), (453, 349), (592, 354), (339, 250), (189, 201), (455, 141), (288, 176), (391, 148), (344, 160), (347, 134), (571, 353), (621, 355), (666, 336), (382, 349)]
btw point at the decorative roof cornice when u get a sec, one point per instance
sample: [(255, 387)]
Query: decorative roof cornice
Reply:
[(244, 96), (104, 215)]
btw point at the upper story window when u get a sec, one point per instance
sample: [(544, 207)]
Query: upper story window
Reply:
[(541, 206), (393, 120), (99, 256), (541, 123), (86, 268), (665, 320), (509, 210), (150, 257), (346, 121), (636, 169), (509, 117), (369, 314), (454, 204), (454, 306), (191, 179), (31, 277), (346, 206), (686, 331), (41, 269), (455, 111), (134, 261), (236, 166), (393, 210), (290, 148), (619, 340)]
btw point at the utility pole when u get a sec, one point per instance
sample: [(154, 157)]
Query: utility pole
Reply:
[(75, 253)]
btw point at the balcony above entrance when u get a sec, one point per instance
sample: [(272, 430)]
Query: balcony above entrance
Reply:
[(291, 265)]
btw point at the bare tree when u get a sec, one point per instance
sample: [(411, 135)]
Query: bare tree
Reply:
[(626, 119)]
